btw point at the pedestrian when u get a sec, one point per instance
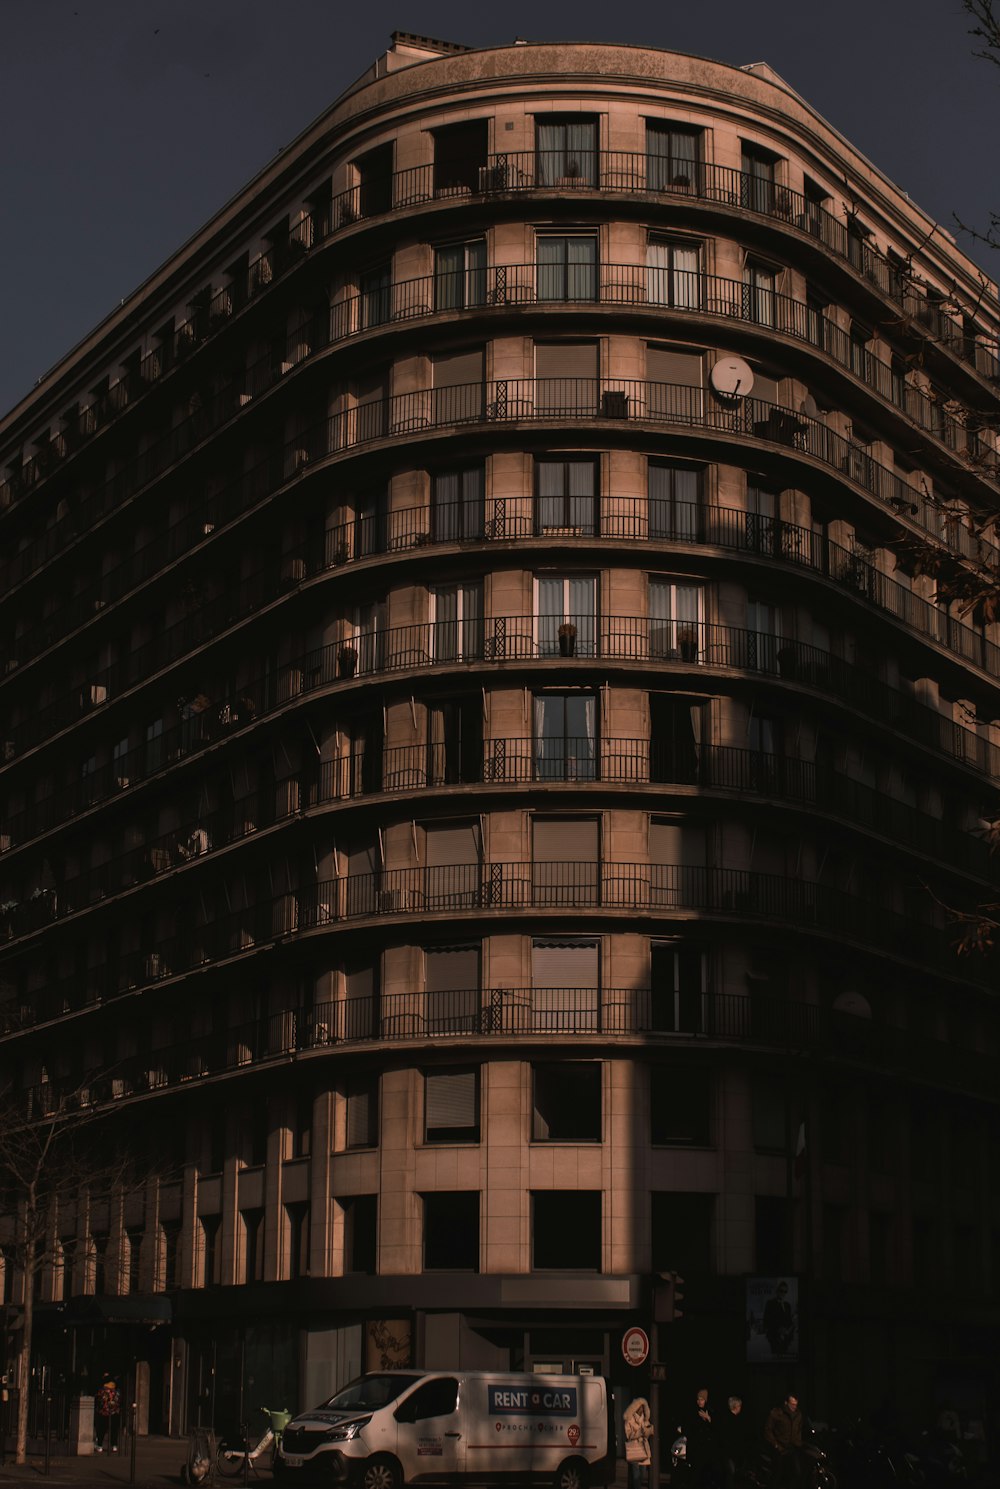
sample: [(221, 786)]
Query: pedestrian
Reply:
[(107, 1414), (783, 1431), (734, 1441), (638, 1431), (700, 1439)]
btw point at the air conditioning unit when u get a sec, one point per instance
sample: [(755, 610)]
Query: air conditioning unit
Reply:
[(392, 901), (614, 404)]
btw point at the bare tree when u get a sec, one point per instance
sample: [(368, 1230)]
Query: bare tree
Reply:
[(57, 1154)]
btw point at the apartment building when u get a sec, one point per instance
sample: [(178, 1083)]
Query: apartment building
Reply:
[(488, 746)]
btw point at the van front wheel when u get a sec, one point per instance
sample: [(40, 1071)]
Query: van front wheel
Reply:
[(381, 1473), (573, 1474)]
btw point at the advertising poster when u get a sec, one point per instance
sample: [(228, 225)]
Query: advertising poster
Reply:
[(772, 1320)]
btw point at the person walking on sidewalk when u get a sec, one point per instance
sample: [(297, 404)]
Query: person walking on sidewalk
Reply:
[(107, 1414), (638, 1431)]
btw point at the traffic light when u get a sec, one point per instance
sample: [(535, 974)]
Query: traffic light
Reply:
[(667, 1296)]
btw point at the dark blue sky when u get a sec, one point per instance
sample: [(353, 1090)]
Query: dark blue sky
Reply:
[(127, 123)]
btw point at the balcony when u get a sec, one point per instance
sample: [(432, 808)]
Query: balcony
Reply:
[(633, 1018), (656, 893)]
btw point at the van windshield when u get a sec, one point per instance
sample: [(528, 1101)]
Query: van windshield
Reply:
[(370, 1392)]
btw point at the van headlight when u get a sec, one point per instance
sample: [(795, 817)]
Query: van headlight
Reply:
[(347, 1432)]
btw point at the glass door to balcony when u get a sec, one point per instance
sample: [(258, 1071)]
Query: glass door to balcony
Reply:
[(567, 267), (455, 741), (676, 732), (566, 496), (460, 275), (566, 607), (676, 614), (567, 152), (457, 498), (565, 736)]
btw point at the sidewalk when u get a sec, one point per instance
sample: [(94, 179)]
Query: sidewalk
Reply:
[(158, 1463)]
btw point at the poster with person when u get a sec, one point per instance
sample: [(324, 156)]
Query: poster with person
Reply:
[(772, 1319)]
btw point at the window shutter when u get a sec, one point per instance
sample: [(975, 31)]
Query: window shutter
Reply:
[(565, 840), (452, 845), (454, 369), (565, 964), (665, 365), (361, 1115), (566, 359), (451, 968), (450, 1099)]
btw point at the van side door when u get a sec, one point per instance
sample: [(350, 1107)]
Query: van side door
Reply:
[(430, 1440)]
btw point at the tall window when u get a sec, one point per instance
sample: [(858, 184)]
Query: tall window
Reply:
[(565, 860), (763, 635), (565, 736), (759, 281), (566, 601), (455, 741), (566, 987), (460, 275), (566, 373), (676, 619), (457, 498), (252, 1238), (452, 852), (673, 274), (361, 1112), (460, 153), (567, 1102), (763, 507), (298, 1233), (567, 268), (672, 155), (677, 728), (360, 1233), (757, 182), (675, 384), (566, 495), (675, 501), (376, 295), (566, 1230), (451, 1244), (679, 988), (459, 389), (567, 151), (457, 632), (451, 987), (369, 636)]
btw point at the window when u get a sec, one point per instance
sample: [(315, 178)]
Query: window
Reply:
[(457, 624), (361, 1233), (567, 151), (672, 156), (677, 729), (676, 619), (451, 1231), (680, 1106), (675, 497), (817, 199), (567, 1102), (455, 742), (211, 1257), (99, 1261), (252, 1228), (566, 1230), (460, 275), (371, 521), (154, 746), (457, 499), (565, 860), (302, 1125), (566, 373), (673, 274), (757, 188), (763, 509), (565, 736), (759, 282), (436, 1398), (565, 611), (364, 891), (371, 410), (816, 325), (566, 495), (452, 876), (361, 1100), (675, 384), (567, 267), (566, 982), (298, 1235), (769, 1117), (458, 386), (119, 763), (376, 295), (369, 636), (170, 1232), (451, 988), (681, 1238), (374, 190), (133, 1259), (451, 1106), (678, 988), (770, 1226), (460, 155), (860, 355)]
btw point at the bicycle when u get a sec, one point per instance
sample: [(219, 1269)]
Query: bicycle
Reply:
[(234, 1456)]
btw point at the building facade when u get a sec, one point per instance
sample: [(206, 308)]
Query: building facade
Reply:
[(489, 743)]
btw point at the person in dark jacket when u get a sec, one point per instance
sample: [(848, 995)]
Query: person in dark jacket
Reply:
[(700, 1439), (783, 1431), (735, 1441)]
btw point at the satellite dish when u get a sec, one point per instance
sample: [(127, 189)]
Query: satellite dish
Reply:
[(809, 407), (731, 377), (854, 1003)]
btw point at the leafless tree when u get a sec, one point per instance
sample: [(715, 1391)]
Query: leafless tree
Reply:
[(58, 1153)]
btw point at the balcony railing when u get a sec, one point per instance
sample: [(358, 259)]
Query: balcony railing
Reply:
[(623, 172), (499, 640), (654, 1015), (651, 891), (502, 762)]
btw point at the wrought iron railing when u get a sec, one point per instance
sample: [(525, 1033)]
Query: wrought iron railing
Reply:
[(474, 1017), (580, 761), (650, 891)]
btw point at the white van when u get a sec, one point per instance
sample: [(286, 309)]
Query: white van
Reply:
[(439, 1427)]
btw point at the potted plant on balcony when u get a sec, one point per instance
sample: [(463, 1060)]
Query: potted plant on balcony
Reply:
[(687, 643), (567, 639), (347, 661)]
